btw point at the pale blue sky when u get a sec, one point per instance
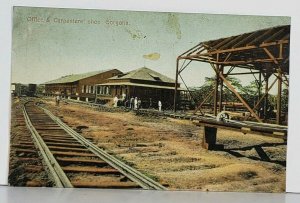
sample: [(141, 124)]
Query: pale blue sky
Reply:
[(43, 51)]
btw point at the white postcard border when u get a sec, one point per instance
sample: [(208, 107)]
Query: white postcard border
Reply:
[(253, 7)]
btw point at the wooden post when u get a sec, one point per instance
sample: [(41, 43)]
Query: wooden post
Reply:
[(239, 97), (209, 137), (221, 91), (176, 86), (266, 97), (216, 93), (278, 113), (259, 85), (204, 100), (259, 94)]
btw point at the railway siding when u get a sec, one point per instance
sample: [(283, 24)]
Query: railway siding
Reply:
[(74, 161)]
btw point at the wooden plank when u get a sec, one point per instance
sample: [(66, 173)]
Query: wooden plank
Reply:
[(68, 149), (59, 153), (90, 169), (105, 184), (83, 161)]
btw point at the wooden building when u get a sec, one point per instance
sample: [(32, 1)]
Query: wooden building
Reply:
[(143, 83), (79, 86)]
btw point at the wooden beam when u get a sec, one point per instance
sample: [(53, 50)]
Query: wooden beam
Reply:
[(245, 40), (287, 36), (204, 100), (265, 94), (245, 62), (248, 47), (176, 86), (201, 58), (227, 57), (216, 94), (245, 73), (221, 90), (261, 37), (233, 41), (198, 45), (221, 43), (278, 113), (182, 68), (280, 55), (239, 97), (266, 102), (272, 37), (284, 82), (270, 55)]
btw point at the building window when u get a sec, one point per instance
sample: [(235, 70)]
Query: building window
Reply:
[(107, 90), (83, 87), (92, 89)]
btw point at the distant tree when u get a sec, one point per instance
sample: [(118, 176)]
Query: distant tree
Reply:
[(284, 100), (250, 93), (200, 93)]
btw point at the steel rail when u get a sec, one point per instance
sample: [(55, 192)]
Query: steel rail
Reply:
[(59, 177), (134, 175)]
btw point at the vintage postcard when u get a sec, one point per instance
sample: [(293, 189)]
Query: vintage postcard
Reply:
[(149, 100)]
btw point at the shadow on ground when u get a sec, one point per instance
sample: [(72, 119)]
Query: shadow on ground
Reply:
[(263, 156)]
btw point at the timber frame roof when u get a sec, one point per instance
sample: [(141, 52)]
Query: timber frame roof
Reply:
[(258, 50)]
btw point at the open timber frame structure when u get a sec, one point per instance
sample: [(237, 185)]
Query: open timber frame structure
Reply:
[(263, 53)]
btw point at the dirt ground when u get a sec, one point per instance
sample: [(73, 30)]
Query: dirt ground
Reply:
[(169, 151)]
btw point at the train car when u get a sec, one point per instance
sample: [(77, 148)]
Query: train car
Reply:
[(23, 90), (31, 90)]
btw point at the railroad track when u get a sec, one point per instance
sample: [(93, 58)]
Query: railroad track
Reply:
[(72, 160)]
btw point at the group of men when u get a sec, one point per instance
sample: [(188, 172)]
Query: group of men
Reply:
[(133, 103)]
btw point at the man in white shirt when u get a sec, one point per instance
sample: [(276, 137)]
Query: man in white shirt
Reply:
[(116, 101), (159, 105)]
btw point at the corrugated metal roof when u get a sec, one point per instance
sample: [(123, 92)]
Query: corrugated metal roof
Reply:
[(75, 77), (144, 74)]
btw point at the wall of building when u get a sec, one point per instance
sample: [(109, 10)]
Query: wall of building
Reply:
[(81, 89), (87, 86), (149, 96), (67, 89)]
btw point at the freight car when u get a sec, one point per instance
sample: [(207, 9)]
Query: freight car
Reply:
[(23, 90)]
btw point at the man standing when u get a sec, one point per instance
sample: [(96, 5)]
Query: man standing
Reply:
[(135, 103), (57, 100), (159, 105), (116, 101), (131, 103), (139, 103)]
